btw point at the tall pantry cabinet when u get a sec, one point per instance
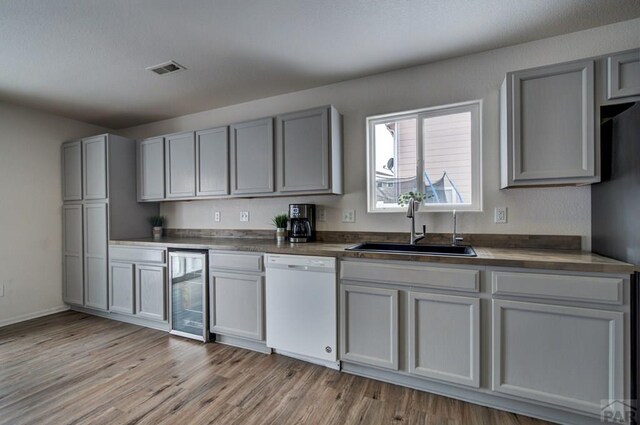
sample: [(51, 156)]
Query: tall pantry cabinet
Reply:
[(99, 203)]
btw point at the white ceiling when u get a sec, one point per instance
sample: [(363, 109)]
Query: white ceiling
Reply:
[(86, 59)]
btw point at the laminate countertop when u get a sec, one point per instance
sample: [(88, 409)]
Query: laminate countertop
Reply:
[(569, 260)]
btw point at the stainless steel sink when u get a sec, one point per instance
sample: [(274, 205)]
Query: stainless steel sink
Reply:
[(401, 248)]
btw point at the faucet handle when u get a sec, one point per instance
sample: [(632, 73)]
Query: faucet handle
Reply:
[(424, 230), (459, 238)]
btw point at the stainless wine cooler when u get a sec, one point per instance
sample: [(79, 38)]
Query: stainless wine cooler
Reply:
[(188, 274)]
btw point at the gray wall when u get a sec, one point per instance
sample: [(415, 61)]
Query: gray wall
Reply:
[(30, 214), (478, 76)]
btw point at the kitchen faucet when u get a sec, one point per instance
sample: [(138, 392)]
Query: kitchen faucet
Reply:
[(454, 236), (411, 212)]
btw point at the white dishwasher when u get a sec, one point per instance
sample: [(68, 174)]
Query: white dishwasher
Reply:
[(301, 308)]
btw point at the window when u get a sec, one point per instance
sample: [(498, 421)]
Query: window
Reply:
[(434, 151)]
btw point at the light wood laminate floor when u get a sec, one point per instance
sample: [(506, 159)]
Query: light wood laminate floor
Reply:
[(72, 368)]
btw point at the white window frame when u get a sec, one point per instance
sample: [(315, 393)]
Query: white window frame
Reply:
[(475, 108)]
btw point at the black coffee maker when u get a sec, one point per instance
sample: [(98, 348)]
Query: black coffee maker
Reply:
[(303, 222)]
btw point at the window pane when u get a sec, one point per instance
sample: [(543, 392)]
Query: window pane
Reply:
[(446, 147), (395, 160)]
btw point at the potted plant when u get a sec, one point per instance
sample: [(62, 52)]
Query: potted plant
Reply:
[(157, 221), (404, 198), (280, 221)]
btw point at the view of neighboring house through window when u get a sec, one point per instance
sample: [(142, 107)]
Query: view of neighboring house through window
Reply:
[(434, 151)]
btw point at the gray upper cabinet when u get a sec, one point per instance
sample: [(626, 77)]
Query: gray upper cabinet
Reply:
[(308, 141), (72, 171), (547, 126), (95, 255), (623, 74), (72, 258), (252, 157), (180, 168), (94, 165), (212, 162), (151, 169)]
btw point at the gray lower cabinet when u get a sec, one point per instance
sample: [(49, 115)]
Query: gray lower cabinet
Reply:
[(150, 153), (95, 255), (236, 303), (566, 356), (72, 254), (121, 288), (444, 337), (547, 126), (212, 162), (151, 292), (72, 171), (623, 74), (309, 151), (180, 165), (369, 326), (252, 157), (138, 282), (94, 166)]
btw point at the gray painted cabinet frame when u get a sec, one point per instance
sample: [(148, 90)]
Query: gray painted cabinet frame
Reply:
[(72, 254), (252, 157), (212, 162), (72, 171), (623, 75), (150, 169)]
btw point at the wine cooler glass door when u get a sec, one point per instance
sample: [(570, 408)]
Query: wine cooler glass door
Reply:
[(188, 285)]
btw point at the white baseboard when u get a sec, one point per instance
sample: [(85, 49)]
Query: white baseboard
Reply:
[(34, 315)]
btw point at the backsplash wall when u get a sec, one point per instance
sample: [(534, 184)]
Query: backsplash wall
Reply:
[(563, 211)]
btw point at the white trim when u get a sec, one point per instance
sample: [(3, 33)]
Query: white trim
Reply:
[(34, 315), (475, 108)]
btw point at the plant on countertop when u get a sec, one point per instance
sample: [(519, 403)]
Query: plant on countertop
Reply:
[(280, 221), (404, 198), (157, 220)]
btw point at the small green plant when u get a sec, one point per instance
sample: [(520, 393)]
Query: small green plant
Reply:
[(280, 220), (157, 220), (405, 197)]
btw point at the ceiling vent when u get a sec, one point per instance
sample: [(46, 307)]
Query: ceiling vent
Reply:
[(170, 67)]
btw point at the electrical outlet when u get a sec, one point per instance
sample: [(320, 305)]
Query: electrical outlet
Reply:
[(216, 216), (500, 215), (244, 215), (348, 216), (322, 214), (1, 290)]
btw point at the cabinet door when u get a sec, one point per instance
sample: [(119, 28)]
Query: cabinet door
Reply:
[(303, 151), (369, 326), (571, 357), (72, 254), (212, 162), (72, 171), (95, 255), (151, 169), (236, 304), (550, 126), (121, 290), (444, 338), (252, 157), (94, 167), (151, 292), (623, 72), (180, 156)]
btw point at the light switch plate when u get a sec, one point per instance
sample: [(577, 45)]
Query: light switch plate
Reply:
[(244, 215), (216, 216), (500, 215), (348, 216), (322, 214)]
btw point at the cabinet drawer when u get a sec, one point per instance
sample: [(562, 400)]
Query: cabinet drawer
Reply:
[(138, 255), (606, 290), (412, 275), (235, 261)]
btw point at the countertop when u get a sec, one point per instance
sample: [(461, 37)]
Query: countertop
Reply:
[(570, 260)]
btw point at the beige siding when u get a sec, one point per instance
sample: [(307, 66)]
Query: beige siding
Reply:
[(406, 148), (447, 147)]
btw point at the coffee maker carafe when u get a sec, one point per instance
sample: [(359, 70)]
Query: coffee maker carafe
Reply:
[(303, 222)]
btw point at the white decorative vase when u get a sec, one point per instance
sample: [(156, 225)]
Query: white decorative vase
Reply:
[(157, 232)]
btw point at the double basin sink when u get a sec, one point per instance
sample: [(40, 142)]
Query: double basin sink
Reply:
[(402, 248)]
